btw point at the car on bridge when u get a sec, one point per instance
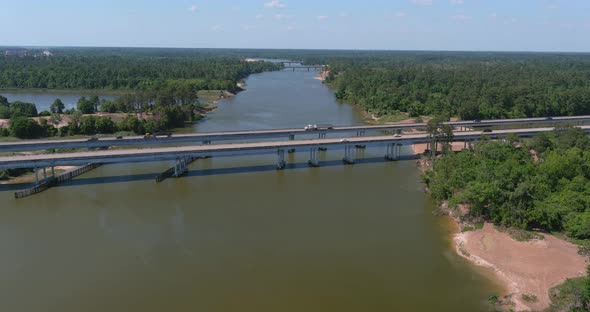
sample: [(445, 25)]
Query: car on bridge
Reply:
[(318, 127)]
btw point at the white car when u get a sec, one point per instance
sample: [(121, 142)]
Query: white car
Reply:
[(344, 140), (397, 135), (310, 127)]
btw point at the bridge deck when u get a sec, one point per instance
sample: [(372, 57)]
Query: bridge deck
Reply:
[(29, 145), (167, 153)]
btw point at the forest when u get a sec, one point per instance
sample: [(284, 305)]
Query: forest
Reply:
[(125, 71), (537, 184), (468, 86)]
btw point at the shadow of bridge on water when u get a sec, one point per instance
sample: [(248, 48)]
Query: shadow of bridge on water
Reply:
[(204, 172)]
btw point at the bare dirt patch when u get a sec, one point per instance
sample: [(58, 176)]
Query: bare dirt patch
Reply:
[(527, 268)]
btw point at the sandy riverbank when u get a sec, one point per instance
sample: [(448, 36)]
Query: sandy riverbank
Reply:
[(323, 75), (525, 268)]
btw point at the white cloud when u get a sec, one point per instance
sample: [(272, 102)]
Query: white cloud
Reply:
[(280, 16), (456, 2), (259, 16), (290, 28), (461, 17), (275, 4), (400, 14), (343, 14), (322, 17), (493, 16), (248, 27), (422, 2), (216, 28), (193, 8), (552, 7)]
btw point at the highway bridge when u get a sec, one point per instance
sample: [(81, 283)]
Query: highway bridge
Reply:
[(180, 154), (308, 67), (282, 134)]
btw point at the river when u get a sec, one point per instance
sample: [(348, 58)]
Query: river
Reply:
[(237, 235)]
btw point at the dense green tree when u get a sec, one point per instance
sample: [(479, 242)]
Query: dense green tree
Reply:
[(86, 106), (22, 109), (88, 125), (105, 125), (57, 107), (25, 128)]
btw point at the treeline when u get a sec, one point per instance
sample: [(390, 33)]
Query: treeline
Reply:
[(541, 184), (166, 105), (126, 71), (467, 85)]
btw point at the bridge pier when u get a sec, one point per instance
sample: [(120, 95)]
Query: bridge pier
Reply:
[(313, 157), (35, 170), (291, 136), (180, 166), (280, 159), (393, 151), (360, 133), (52, 171), (44, 173), (322, 135), (348, 155)]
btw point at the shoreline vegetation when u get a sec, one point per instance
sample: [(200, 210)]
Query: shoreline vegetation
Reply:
[(538, 270)]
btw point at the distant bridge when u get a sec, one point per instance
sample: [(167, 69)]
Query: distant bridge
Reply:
[(308, 67), (283, 134)]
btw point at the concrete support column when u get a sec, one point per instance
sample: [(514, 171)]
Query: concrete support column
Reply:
[(44, 173), (280, 159), (291, 137), (348, 155), (360, 133), (53, 171), (313, 157), (36, 176), (390, 153), (399, 150)]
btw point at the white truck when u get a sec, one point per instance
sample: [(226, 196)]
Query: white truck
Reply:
[(318, 127)]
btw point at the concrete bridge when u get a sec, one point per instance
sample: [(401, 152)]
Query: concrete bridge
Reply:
[(280, 134), (392, 144), (309, 68)]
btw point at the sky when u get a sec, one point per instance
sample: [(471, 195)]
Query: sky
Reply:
[(474, 25)]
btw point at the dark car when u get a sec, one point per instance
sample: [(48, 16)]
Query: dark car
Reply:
[(487, 130), (477, 120), (92, 139), (119, 137), (549, 118)]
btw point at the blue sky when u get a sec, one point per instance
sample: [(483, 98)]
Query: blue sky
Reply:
[(505, 25)]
